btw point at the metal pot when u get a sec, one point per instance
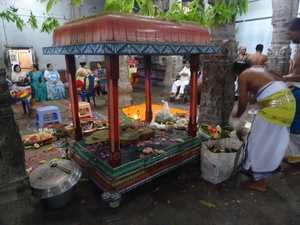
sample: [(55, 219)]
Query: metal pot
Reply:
[(54, 182)]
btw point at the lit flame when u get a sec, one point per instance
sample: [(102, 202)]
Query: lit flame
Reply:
[(135, 117)]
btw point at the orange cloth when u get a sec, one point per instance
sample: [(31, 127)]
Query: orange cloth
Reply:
[(132, 110)]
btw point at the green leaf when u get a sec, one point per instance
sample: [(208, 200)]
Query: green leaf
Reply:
[(20, 24), (128, 6), (113, 5), (13, 9), (147, 8), (49, 6), (140, 2), (9, 16), (32, 21), (76, 2), (207, 203), (49, 25)]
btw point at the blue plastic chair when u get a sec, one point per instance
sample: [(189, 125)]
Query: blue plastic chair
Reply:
[(86, 93), (25, 104)]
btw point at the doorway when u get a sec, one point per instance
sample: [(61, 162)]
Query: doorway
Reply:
[(22, 56)]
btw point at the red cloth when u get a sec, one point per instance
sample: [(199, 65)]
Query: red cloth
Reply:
[(79, 84)]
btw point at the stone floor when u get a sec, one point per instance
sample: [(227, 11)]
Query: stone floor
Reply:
[(174, 198)]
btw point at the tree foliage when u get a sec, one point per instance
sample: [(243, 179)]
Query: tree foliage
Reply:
[(11, 15), (145, 7), (49, 24), (193, 11), (218, 12), (51, 3), (223, 11)]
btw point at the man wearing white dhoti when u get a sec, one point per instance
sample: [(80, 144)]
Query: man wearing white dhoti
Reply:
[(184, 80), (269, 134)]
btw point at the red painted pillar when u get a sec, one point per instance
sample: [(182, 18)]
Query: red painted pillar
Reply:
[(71, 71), (148, 87), (194, 61), (112, 76)]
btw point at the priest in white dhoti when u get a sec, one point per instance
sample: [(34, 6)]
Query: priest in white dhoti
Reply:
[(269, 135), (184, 80)]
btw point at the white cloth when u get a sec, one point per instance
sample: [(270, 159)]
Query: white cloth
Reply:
[(290, 84), (236, 84), (293, 150), (46, 73), (15, 77), (257, 69), (267, 142), (183, 81)]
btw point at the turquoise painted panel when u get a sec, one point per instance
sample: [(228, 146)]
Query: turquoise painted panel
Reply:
[(129, 49)]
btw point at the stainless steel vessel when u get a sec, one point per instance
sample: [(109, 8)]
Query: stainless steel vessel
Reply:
[(54, 182)]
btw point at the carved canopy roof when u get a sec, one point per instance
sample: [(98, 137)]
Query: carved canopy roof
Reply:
[(120, 33)]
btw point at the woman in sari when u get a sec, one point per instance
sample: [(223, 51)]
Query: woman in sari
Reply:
[(55, 88), (19, 79), (81, 73), (37, 83), (100, 73)]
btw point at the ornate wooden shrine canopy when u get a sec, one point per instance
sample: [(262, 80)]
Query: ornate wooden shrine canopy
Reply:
[(113, 34), (123, 34)]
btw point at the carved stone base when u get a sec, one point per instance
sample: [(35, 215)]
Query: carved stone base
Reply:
[(125, 99), (217, 98), (125, 88), (14, 201)]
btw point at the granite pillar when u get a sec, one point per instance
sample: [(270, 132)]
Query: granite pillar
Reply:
[(279, 53), (15, 206), (125, 100), (174, 65), (217, 96)]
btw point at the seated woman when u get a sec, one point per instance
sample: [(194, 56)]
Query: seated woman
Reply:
[(100, 73), (55, 88), (81, 73), (37, 83), (20, 80)]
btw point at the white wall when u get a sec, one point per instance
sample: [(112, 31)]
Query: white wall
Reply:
[(251, 29), (255, 26), (28, 37), (11, 36)]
